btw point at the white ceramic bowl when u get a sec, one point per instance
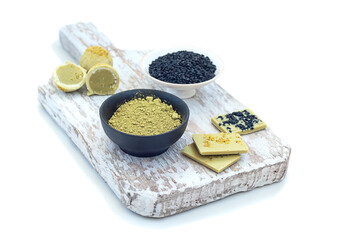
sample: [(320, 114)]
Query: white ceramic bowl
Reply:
[(181, 90)]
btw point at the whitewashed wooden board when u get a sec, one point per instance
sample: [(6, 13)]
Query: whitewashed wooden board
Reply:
[(170, 183)]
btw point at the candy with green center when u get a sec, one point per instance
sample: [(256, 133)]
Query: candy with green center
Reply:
[(69, 77), (102, 79)]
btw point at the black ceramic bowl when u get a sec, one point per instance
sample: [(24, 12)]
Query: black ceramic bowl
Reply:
[(143, 146)]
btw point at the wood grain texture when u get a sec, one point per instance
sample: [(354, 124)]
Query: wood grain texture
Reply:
[(170, 183)]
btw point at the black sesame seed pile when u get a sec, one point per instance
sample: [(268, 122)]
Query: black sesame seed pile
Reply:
[(243, 120), (182, 67)]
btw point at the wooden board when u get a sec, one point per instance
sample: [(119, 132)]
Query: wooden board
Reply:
[(170, 183)]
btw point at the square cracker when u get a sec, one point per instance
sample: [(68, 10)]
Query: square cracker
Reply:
[(242, 122), (215, 163), (220, 143)]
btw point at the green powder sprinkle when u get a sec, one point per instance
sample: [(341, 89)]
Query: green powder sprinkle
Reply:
[(145, 117)]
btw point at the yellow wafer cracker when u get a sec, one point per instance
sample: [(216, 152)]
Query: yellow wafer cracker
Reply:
[(242, 122), (220, 143), (216, 163)]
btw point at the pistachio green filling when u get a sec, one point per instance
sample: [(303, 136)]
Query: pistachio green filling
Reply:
[(102, 81), (69, 74)]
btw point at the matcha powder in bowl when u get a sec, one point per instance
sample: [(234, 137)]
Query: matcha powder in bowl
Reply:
[(145, 116)]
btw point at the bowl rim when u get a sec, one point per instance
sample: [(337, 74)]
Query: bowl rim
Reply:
[(185, 121), (183, 48)]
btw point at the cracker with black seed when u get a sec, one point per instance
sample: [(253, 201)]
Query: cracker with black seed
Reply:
[(242, 122)]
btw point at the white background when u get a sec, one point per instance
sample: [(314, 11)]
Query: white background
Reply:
[(295, 63)]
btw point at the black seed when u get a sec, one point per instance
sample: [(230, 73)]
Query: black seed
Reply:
[(231, 117), (237, 114), (182, 67), (229, 129)]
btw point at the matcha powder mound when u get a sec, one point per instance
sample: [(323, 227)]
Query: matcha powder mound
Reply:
[(145, 117)]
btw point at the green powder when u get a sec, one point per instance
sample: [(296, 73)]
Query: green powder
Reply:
[(145, 116)]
